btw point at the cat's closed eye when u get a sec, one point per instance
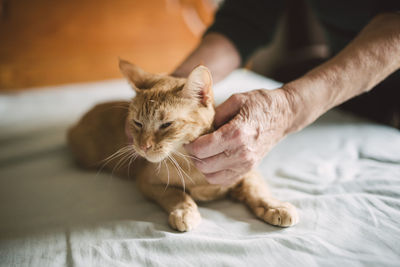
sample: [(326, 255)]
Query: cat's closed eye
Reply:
[(165, 125), (138, 124)]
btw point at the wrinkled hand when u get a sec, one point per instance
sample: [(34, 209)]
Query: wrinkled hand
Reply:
[(250, 124)]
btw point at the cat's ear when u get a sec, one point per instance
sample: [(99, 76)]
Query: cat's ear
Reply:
[(138, 78), (199, 85)]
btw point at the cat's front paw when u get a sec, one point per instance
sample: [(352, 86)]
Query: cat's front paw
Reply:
[(283, 215), (184, 219)]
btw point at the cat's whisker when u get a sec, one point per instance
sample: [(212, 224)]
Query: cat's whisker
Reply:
[(158, 168), (183, 157), (182, 170), (190, 157), (110, 158), (166, 166), (132, 159), (118, 152), (115, 155), (124, 158), (179, 173), (177, 164)]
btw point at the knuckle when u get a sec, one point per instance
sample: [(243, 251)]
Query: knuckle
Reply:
[(214, 137), (242, 138), (244, 155), (239, 136), (252, 164), (237, 98), (248, 158), (234, 97)]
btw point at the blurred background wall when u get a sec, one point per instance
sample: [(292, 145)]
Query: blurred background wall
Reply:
[(48, 42)]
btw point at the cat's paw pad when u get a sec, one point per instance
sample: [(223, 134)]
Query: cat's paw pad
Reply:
[(284, 215), (184, 219)]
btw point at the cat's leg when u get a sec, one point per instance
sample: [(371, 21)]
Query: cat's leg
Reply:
[(183, 212), (253, 191)]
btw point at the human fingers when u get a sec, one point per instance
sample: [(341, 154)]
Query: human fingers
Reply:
[(211, 144), (228, 109), (217, 162)]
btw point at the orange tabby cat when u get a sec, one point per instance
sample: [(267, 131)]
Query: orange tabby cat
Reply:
[(166, 113)]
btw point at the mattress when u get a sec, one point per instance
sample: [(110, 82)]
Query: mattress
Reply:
[(341, 172)]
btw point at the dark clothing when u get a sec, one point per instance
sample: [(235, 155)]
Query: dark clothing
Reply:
[(250, 24)]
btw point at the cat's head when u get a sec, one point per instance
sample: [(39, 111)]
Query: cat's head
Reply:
[(167, 111)]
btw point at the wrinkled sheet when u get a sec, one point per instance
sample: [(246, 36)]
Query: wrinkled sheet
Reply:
[(342, 172)]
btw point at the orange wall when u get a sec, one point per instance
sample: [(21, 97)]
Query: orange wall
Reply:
[(46, 42)]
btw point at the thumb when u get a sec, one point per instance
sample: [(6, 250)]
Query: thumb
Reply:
[(227, 110)]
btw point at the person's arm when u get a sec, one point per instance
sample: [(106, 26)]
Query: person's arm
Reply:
[(216, 52), (251, 123), (372, 56), (240, 27)]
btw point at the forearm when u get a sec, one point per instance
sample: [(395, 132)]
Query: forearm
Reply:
[(216, 52), (366, 61)]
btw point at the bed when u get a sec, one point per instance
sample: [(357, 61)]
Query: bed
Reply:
[(342, 172)]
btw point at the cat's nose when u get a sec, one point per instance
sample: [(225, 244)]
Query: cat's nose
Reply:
[(145, 147)]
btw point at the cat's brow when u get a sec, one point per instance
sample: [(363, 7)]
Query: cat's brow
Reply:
[(162, 115), (150, 107)]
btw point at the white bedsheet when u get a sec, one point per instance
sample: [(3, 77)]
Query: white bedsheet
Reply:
[(342, 173)]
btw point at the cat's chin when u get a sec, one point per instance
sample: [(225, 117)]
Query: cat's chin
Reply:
[(155, 158)]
